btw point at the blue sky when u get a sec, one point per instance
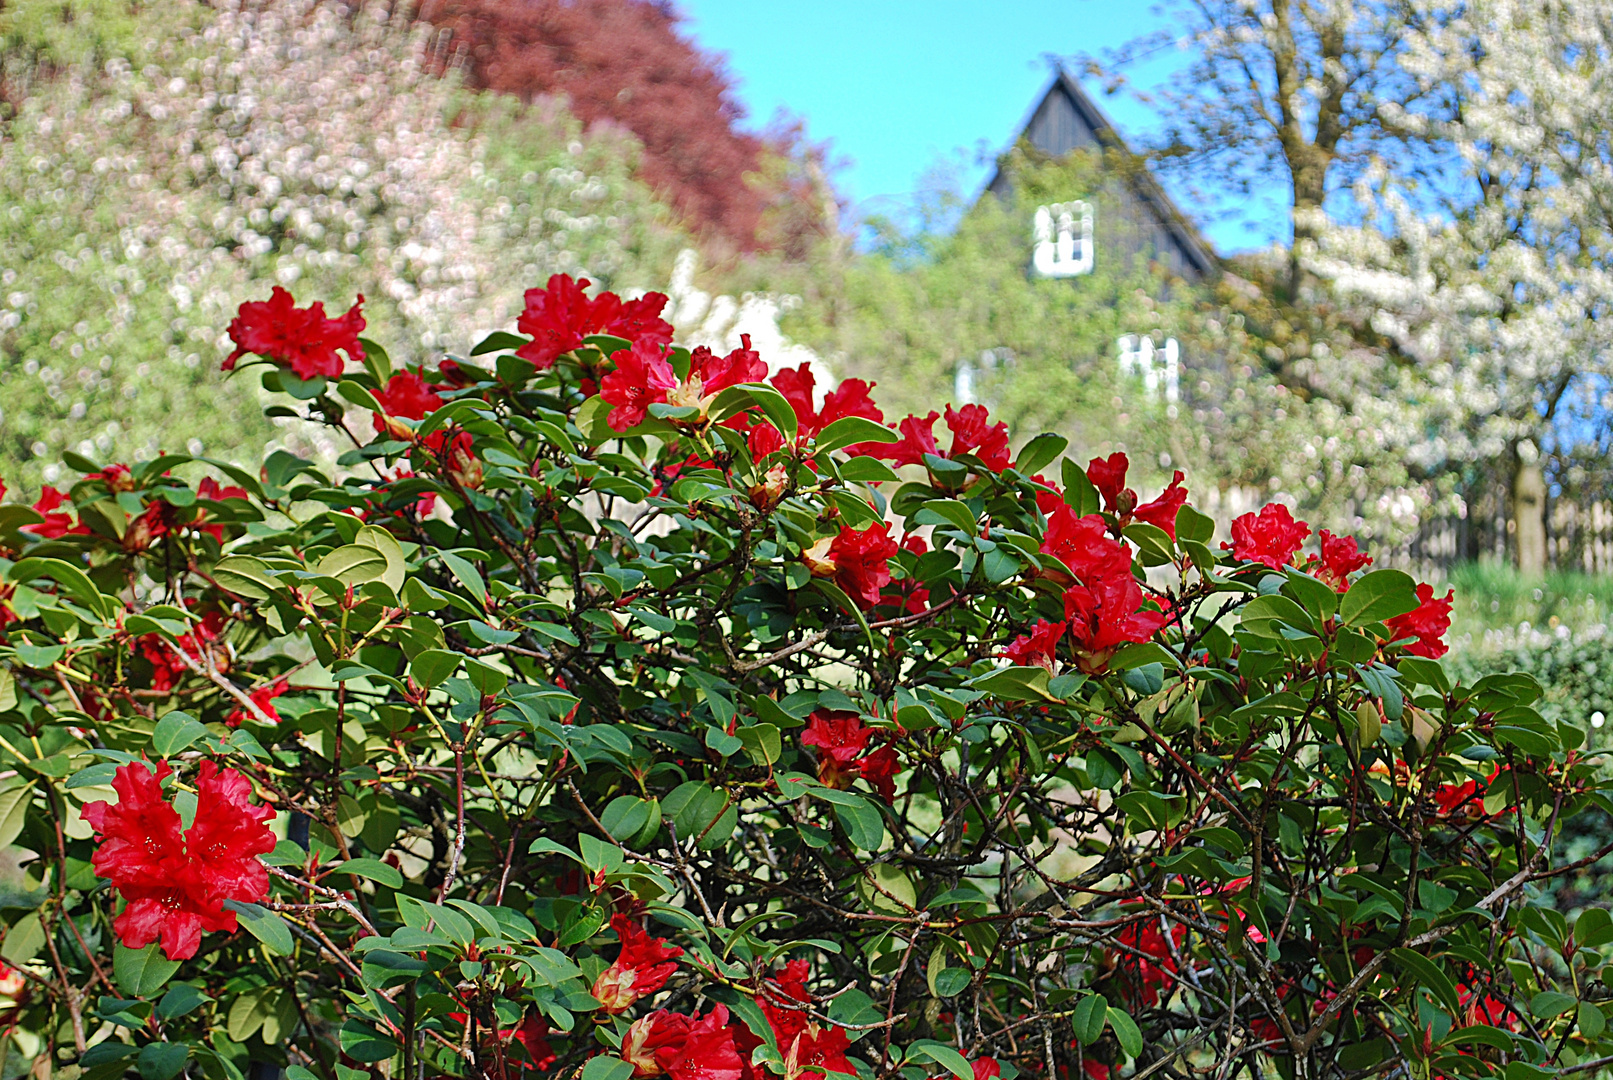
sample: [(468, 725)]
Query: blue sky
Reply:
[(898, 84)]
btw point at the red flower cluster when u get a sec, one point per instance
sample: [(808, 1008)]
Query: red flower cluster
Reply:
[(1271, 537), (841, 741), (799, 386), (683, 1047), (263, 697), (810, 1048), (1039, 647), (58, 522), (1147, 965), (710, 374), (643, 966), (641, 379), (166, 668), (302, 339), (971, 434), (1340, 558), (1428, 623), (1108, 475), (408, 396), (176, 882), (857, 559), (558, 317), (1103, 608)]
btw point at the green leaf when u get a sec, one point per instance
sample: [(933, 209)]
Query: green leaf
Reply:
[(162, 1060), (432, 666), (175, 732), (1379, 595), (1428, 973), (353, 564), (69, 577), (245, 576), (950, 982), (1482, 1034), (1013, 684), (943, 1055), (1079, 494), (762, 743), (264, 925), (1039, 452), (1592, 1021), (372, 869), (466, 574), (948, 512), (738, 398), (141, 972), (1089, 1018), (853, 429), (359, 395), (498, 341), (864, 824), (1550, 1003), (606, 1067), (1126, 1033), (866, 469), (180, 1000), (14, 803), (24, 940)]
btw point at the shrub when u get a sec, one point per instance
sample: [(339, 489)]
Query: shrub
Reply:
[(615, 711)]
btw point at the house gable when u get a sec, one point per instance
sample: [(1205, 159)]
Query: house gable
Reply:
[(1065, 119)]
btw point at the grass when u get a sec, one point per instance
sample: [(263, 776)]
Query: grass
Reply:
[(1491, 596)]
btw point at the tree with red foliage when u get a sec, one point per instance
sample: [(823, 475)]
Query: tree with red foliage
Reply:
[(624, 62)]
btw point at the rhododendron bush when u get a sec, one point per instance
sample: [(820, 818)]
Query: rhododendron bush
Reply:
[(613, 710)]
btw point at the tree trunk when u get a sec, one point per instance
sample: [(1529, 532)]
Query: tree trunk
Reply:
[(1529, 518)]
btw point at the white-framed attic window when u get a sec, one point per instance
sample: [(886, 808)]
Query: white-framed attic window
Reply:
[(1062, 236)]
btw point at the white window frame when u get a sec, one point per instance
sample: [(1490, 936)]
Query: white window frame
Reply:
[(1062, 236), (1157, 364)]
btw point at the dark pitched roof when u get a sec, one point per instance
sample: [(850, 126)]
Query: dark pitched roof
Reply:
[(1065, 118)]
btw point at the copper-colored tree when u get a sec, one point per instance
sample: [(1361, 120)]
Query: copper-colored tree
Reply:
[(624, 62)]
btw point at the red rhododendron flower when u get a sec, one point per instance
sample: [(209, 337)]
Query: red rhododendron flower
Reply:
[(1108, 475), (117, 477), (1161, 510), (1146, 975), (405, 395), (642, 968), (175, 884), (840, 738), (533, 1035), (1428, 623), (1084, 546), (970, 434), (1037, 648), (817, 1049), (706, 1051), (906, 594), (857, 559), (763, 439), (850, 398), (986, 1069), (559, 316), (58, 522), (153, 523), (212, 491), (841, 741), (1050, 499), (710, 374), (1270, 537), (300, 338), (1340, 558), (662, 1029), (263, 697), (641, 379), (1105, 615)]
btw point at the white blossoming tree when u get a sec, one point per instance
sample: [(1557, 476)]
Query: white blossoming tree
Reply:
[(1495, 284)]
